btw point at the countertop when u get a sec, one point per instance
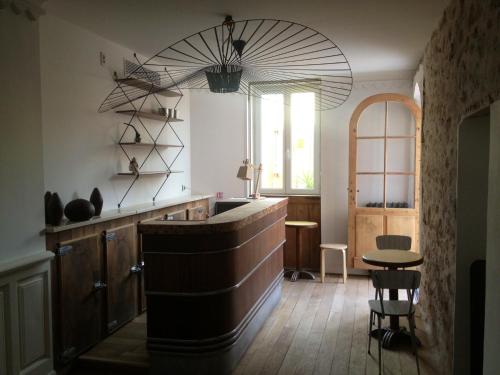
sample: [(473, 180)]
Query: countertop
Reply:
[(226, 221), (126, 211)]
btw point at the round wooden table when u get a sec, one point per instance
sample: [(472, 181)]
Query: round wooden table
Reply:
[(393, 335), (298, 272)]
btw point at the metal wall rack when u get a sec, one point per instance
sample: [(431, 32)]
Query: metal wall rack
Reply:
[(135, 90)]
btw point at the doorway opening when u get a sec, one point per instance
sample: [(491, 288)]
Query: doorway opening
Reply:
[(472, 207)]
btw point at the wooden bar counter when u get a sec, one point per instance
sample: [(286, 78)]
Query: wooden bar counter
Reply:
[(211, 284)]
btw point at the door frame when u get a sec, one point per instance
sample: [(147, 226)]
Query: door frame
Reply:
[(352, 190)]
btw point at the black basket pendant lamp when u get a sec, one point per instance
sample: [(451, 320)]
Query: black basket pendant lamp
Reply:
[(226, 77), (252, 57)]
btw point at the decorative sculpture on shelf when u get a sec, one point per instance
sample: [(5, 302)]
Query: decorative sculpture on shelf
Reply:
[(134, 166), (46, 199), (97, 201), (54, 209), (137, 137), (79, 210)]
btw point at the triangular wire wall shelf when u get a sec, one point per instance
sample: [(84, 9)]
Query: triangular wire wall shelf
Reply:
[(142, 91)]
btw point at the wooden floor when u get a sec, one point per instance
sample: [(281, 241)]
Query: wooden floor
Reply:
[(316, 329)]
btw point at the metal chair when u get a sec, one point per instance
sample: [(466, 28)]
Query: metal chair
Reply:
[(393, 279), (395, 242)]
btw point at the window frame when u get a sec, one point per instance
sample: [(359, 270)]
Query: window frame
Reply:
[(255, 132)]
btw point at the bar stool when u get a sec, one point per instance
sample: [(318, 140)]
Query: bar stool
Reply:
[(299, 226), (336, 247)]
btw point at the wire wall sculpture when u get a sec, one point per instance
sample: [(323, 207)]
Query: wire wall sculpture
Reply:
[(252, 57)]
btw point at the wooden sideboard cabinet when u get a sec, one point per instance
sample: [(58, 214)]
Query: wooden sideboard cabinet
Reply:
[(97, 278)]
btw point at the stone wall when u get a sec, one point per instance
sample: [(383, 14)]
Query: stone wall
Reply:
[(461, 76)]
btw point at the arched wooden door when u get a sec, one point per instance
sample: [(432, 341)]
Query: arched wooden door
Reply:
[(384, 172)]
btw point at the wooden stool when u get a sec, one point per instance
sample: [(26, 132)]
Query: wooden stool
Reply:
[(298, 273), (336, 247)]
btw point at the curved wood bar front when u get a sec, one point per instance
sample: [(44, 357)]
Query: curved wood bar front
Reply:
[(211, 284)]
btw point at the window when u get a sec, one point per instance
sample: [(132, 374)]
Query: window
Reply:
[(285, 134)]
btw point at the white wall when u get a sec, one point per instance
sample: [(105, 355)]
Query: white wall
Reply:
[(21, 165), (25, 318), (218, 133), (218, 130), (80, 150), (492, 323)]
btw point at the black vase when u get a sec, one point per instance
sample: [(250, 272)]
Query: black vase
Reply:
[(54, 210), (96, 200), (79, 210), (46, 199)]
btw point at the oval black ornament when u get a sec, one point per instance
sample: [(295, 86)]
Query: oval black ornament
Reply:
[(79, 210)]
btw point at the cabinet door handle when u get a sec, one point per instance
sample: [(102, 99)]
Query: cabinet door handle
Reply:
[(112, 325), (136, 268), (99, 285), (109, 236), (63, 250), (68, 354)]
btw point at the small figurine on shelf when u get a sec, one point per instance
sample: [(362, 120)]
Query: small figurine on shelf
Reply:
[(134, 166)]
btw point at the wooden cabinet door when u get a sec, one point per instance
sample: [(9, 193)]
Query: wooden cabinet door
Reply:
[(122, 275), (142, 291), (368, 227), (403, 226), (79, 278)]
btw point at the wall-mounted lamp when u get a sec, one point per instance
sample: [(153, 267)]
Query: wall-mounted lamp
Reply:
[(245, 172), (137, 138)]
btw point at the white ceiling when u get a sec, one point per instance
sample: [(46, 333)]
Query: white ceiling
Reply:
[(380, 38)]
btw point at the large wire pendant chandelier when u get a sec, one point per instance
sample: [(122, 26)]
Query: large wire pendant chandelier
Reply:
[(252, 57)]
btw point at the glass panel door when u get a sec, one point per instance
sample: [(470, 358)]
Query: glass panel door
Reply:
[(385, 157), (400, 191), (370, 155), (370, 192)]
